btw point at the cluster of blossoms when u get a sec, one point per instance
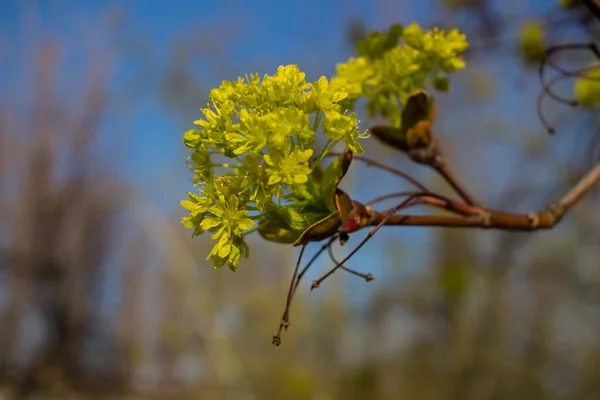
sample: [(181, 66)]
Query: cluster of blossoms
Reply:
[(386, 73), (587, 87), (252, 156)]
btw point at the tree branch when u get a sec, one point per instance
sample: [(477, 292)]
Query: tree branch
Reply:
[(445, 172), (372, 163), (594, 7), (491, 219)]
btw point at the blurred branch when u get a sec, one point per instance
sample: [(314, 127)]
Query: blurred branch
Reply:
[(490, 219), (469, 214), (594, 7)]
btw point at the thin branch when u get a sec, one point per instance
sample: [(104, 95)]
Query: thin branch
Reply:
[(548, 92), (489, 219), (432, 199), (296, 282), (432, 156), (372, 163), (285, 318), (371, 233), (594, 7), (388, 196), (312, 260), (581, 188), (580, 72), (441, 167), (367, 277), (564, 74)]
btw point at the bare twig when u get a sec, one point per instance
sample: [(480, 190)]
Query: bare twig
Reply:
[(580, 188), (478, 217), (285, 318), (312, 260), (296, 282), (373, 163), (431, 199), (432, 157), (594, 7), (390, 213), (367, 277), (489, 219), (564, 74), (441, 167)]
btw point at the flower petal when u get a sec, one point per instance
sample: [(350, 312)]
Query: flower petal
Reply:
[(245, 223)]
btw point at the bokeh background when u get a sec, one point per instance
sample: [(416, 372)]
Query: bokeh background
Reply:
[(103, 294)]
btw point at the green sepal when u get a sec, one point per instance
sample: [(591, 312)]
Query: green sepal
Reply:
[(285, 216), (192, 138), (419, 107), (277, 233), (320, 230), (391, 136), (332, 177), (316, 175), (329, 225), (376, 44), (441, 83), (343, 203), (415, 130)]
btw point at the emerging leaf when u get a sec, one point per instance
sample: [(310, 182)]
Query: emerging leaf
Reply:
[(376, 44), (394, 137), (329, 225), (320, 230), (276, 233), (332, 177), (415, 130), (343, 203), (419, 107), (441, 83)]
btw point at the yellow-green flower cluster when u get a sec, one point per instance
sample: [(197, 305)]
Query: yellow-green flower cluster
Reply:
[(253, 152), (387, 71), (587, 88)]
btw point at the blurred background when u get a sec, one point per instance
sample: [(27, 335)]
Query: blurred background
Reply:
[(103, 294)]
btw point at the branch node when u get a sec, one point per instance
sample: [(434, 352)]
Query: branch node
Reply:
[(276, 340), (485, 217), (429, 155), (534, 220), (557, 211), (314, 285)]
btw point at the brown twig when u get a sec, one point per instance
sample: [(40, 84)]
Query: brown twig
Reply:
[(441, 167), (296, 282), (367, 277), (548, 92), (431, 199), (391, 212), (432, 157), (580, 188), (373, 163), (471, 216), (593, 7), (564, 74), (489, 219), (285, 318)]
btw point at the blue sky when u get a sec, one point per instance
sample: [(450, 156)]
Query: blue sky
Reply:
[(250, 36)]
